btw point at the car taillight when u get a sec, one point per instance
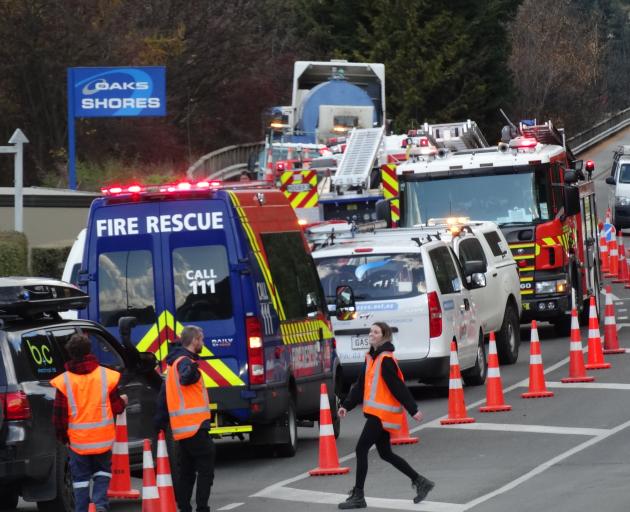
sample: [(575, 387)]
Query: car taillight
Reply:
[(435, 315), (16, 406), (255, 352)]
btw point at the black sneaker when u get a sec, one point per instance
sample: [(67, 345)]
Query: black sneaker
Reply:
[(423, 487), (355, 500)]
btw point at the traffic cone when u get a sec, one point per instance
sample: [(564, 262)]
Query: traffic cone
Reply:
[(150, 494), (163, 477), (577, 372), (537, 385), (603, 251), (595, 359), (494, 388), (328, 458), (623, 267), (456, 405), (613, 257), (403, 436), (120, 484), (91, 507), (611, 340)]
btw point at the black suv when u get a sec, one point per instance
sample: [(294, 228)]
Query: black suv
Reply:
[(32, 351)]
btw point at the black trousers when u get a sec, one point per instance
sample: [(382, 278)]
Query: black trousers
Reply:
[(374, 433), (195, 462)]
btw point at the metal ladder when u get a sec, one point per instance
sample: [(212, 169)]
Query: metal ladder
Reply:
[(457, 136), (357, 162)]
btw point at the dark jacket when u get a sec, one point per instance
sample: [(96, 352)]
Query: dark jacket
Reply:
[(60, 406), (188, 374), (390, 376)]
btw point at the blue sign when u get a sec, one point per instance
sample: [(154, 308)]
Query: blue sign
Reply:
[(609, 229), (118, 92)]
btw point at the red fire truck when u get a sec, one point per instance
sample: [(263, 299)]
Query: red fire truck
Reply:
[(540, 195)]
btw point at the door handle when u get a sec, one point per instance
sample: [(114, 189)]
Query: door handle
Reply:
[(495, 274), (466, 305)]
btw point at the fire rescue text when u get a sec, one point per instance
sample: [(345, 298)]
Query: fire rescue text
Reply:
[(198, 221)]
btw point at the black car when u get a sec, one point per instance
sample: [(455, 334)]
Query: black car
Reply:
[(32, 351)]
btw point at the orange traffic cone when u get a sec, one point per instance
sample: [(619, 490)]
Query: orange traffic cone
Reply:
[(150, 494), (623, 267), (91, 507), (611, 340), (613, 256), (120, 484), (577, 372), (163, 477), (537, 385), (603, 250), (328, 458), (403, 436), (494, 387), (595, 359), (456, 404)]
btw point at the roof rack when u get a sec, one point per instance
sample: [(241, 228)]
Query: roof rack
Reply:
[(28, 297), (457, 136)]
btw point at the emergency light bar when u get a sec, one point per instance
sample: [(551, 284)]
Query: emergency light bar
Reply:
[(182, 186), (523, 143), (30, 296)]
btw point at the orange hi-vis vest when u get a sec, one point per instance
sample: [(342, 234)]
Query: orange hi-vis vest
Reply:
[(378, 400), (91, 428), (188, 406)]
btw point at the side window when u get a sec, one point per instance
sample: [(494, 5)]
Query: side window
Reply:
[(104, 352), (125, 287), (471, 250), (293, 271), (445, 271), (40, 359), (201, 281), (495, 243)]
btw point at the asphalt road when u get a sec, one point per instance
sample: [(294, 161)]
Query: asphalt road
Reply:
[(567, 453)]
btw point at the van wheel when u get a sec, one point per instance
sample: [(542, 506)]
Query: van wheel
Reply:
[(476, 375), (64, 501), (8, 499), (509, 336), (289, 447)]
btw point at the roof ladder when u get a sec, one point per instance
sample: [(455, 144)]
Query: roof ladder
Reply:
[(362, 149), (457, 136)]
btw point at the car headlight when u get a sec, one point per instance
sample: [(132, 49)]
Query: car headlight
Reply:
[(622, 201), (558, 286)]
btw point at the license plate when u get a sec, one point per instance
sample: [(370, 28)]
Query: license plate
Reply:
[(359, 342), (299, 187)]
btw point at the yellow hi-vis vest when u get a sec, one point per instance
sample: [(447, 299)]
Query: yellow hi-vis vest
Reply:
[(91, 428), (378, 400), (188, 406)]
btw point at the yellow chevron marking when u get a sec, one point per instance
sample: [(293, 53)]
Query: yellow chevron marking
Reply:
[(549, 241)]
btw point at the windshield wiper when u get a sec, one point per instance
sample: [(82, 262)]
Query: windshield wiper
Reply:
[(517, 223)]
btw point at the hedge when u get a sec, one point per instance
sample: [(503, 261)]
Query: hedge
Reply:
[(13, 254), (48, 261)]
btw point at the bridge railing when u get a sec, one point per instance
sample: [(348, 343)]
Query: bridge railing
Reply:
[(598, 132), (225, 163)]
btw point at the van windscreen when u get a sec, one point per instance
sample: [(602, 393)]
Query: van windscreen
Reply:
[(125, 287), (201, 283), (373, 277)]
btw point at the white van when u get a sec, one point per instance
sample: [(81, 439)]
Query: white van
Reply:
[(415, 284), (619, 193), (71, 269)]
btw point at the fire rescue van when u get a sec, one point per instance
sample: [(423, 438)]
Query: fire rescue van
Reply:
[(535, 190), (234, 262)]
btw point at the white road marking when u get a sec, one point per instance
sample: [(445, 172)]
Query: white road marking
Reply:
[(231, 506), (331, 498), (546, 465), (622, 318), (589, 385), (531, 429)]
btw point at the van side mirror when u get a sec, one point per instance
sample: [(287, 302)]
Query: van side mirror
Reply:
[(147, 361), (83, 276), (571, 200), (474, 267), (345, 306), (125, 324), (610, 180), (570, 177), (384, 211)]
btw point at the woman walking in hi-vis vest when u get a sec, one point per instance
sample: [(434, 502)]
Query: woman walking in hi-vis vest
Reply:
[(381, 388)]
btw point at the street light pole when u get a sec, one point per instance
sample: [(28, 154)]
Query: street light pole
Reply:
[(18, 139)]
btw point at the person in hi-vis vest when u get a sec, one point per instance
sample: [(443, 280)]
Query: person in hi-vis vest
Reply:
[(86, 404), (183, 404), (381, 388)]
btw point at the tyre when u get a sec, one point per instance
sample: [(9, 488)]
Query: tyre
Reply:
[(64, 501), (476, 375), (509, 336), (288, 447), (8, 499)]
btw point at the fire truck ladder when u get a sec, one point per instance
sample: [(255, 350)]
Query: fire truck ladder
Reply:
[(362, 149), (457, 136), (546, 134)]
